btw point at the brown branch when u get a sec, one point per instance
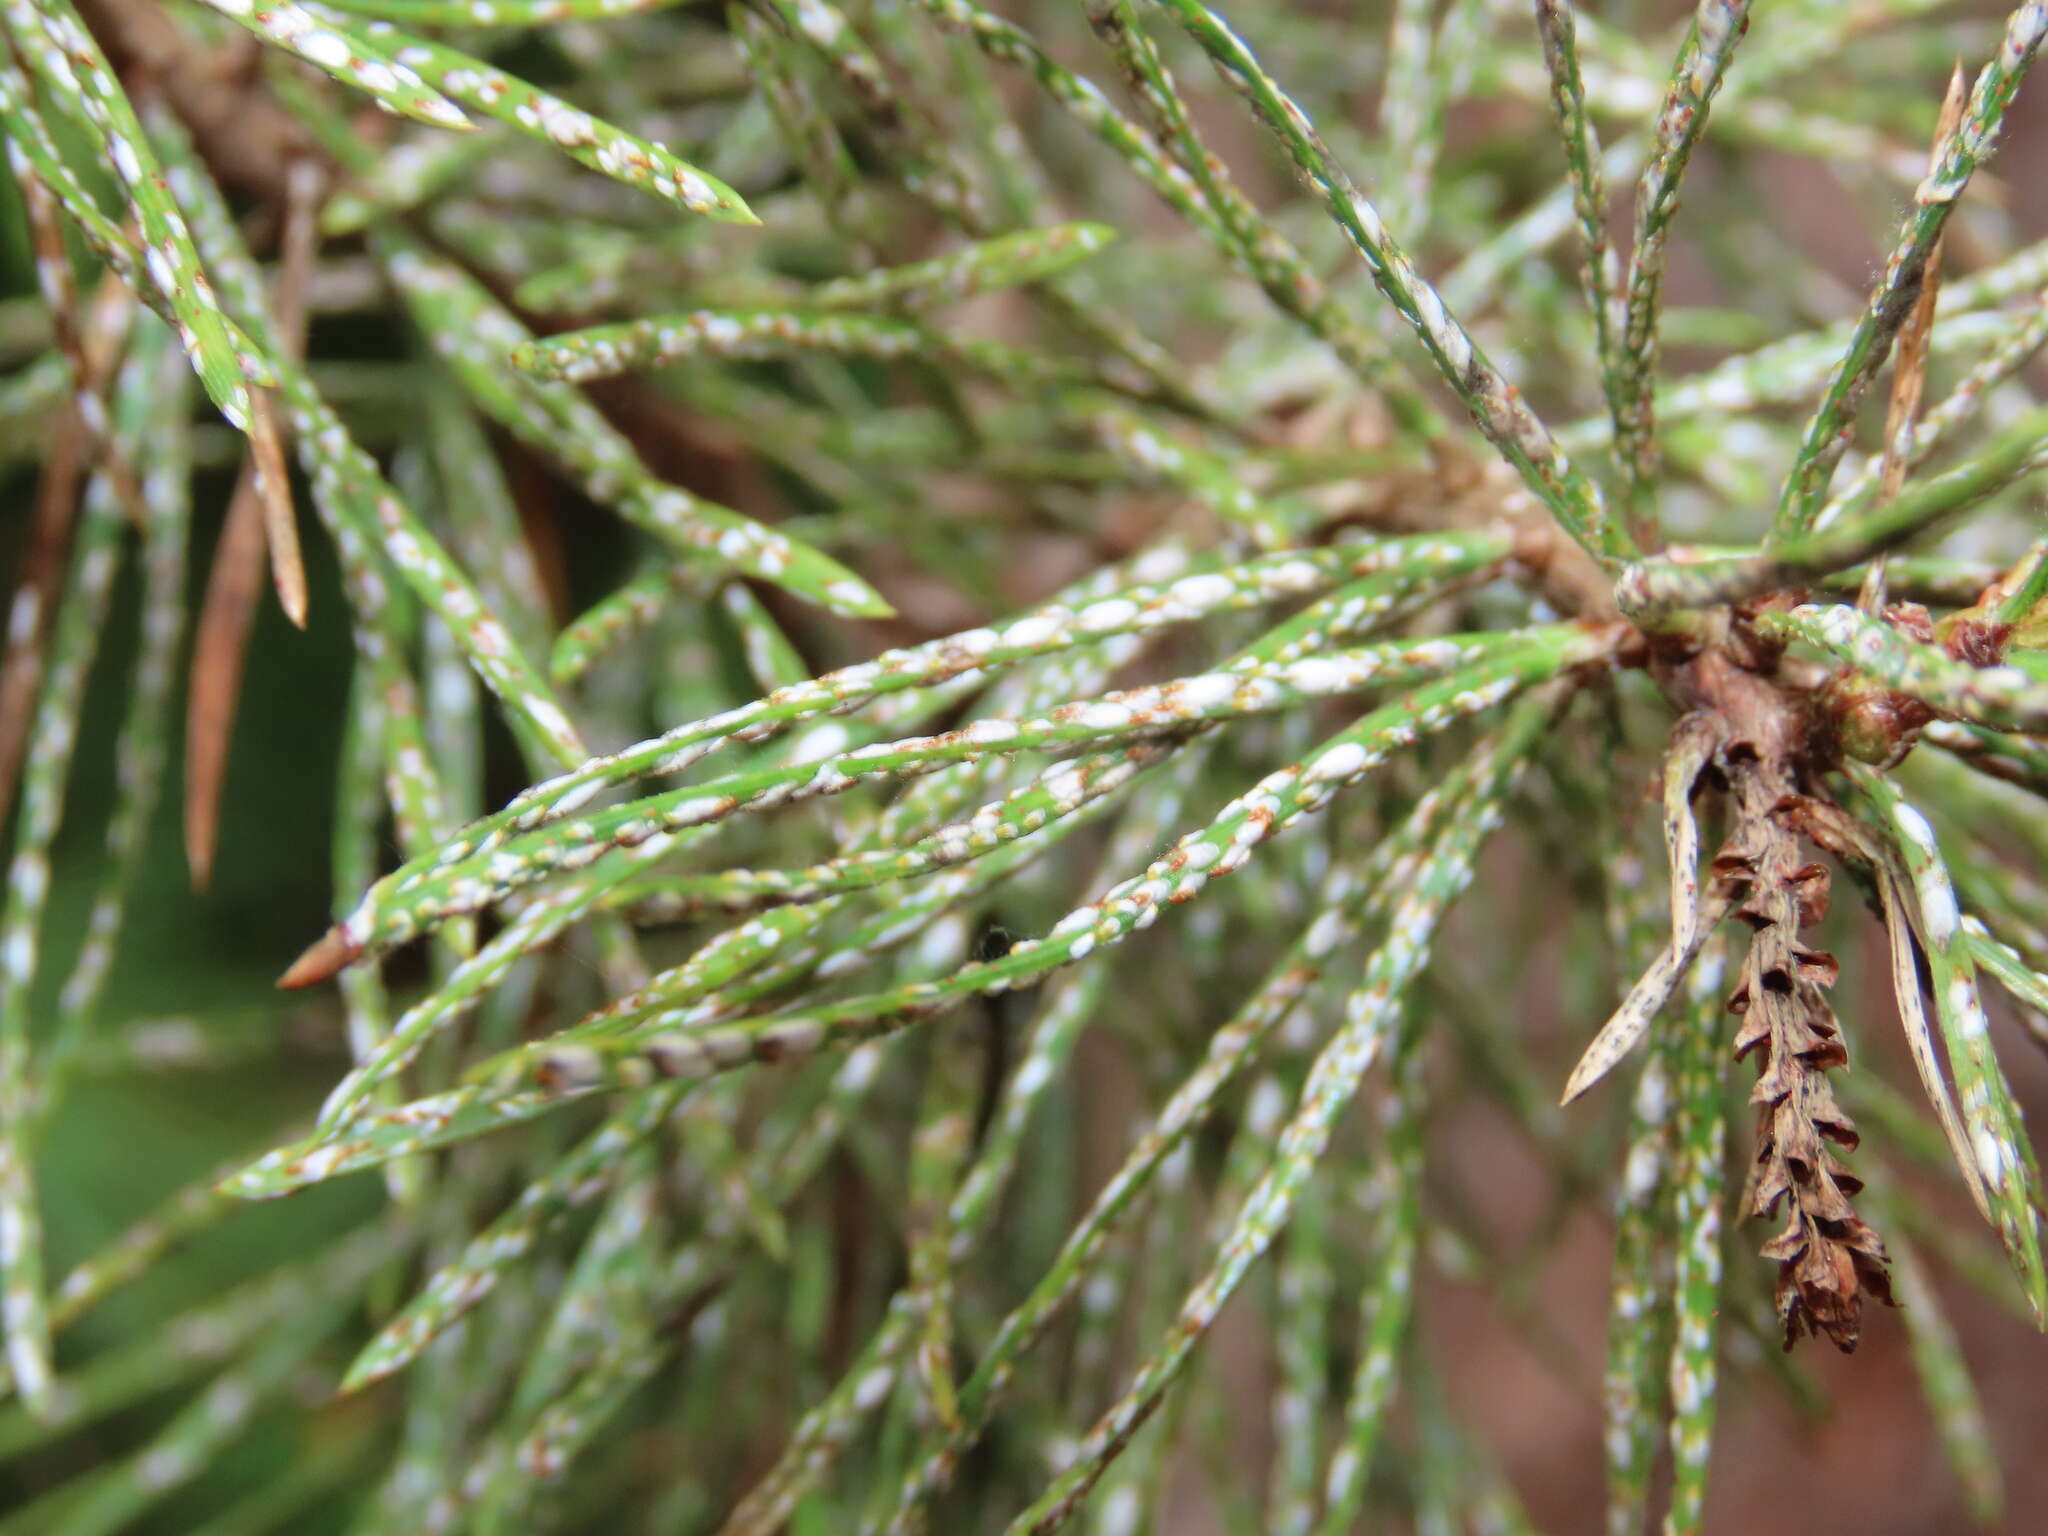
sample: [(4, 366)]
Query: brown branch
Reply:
[(259, 516), (1828, 1258), (1459, 494)]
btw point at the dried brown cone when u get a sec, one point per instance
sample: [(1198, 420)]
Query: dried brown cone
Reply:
[(1828, 1258)]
